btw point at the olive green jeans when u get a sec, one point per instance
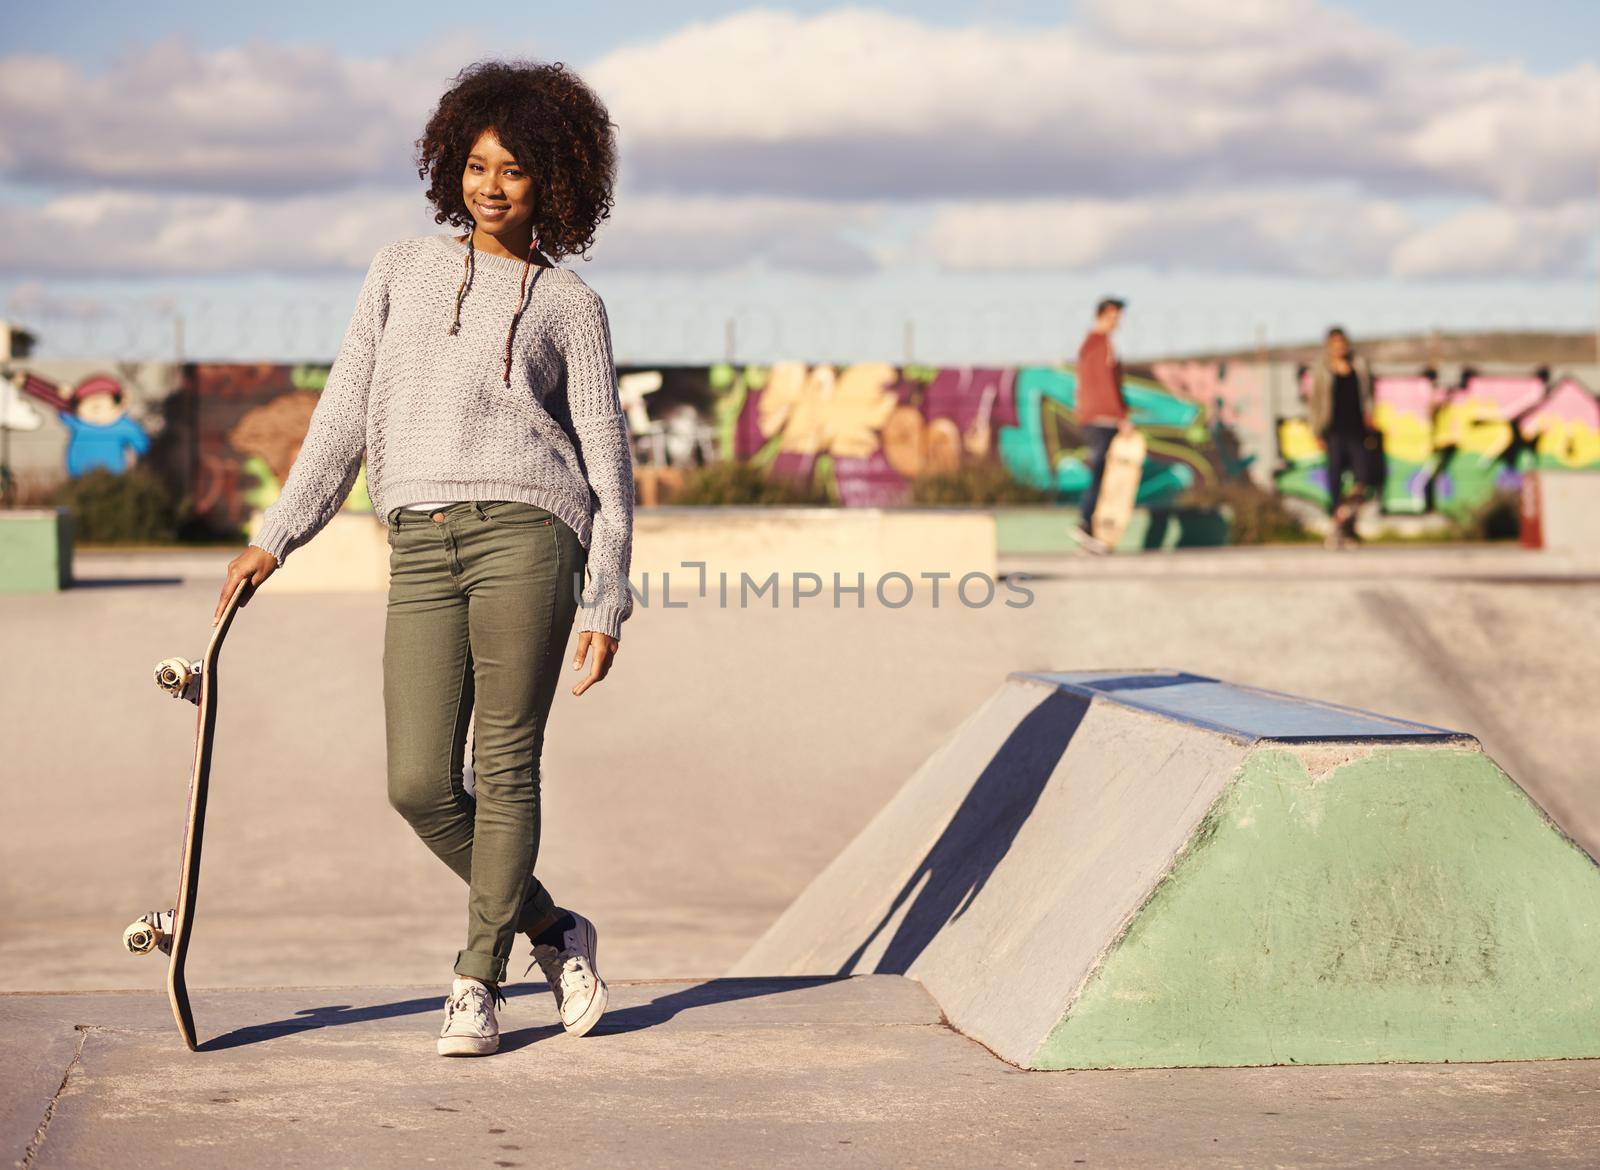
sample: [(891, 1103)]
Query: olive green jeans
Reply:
[(481, 602)]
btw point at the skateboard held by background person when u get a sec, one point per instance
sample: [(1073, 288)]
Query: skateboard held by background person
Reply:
[(1119, 487)]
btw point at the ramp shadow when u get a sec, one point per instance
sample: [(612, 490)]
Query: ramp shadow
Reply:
[(979, 834)]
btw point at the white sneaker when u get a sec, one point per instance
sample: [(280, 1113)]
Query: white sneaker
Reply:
[(580, 992), (470, 1028)]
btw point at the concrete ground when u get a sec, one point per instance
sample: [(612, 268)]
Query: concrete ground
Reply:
[(688, 799), (768, 1073), (694, 793)]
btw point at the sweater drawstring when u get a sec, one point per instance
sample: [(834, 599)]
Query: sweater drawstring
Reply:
[(522, 303), (470, 266)]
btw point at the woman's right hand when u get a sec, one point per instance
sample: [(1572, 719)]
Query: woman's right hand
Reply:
[(255, 565)]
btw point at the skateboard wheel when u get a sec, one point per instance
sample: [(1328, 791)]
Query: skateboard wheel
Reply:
[(150, 933), (179, 678)]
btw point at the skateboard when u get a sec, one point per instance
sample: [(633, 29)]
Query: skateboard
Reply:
[(1118, 488), (168, 931)]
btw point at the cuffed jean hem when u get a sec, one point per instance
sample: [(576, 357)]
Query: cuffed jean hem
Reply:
[(475, 965)]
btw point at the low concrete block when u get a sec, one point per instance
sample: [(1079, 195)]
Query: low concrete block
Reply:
[(352, 552), (350, 555), (1568, 519), (1154, 869), (871, 542), (35, 550)]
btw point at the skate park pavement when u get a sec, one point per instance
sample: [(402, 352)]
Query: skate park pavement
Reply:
[(769, 1073), (689, 799)]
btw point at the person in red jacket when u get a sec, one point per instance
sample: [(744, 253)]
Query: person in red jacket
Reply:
[(1102, 410)]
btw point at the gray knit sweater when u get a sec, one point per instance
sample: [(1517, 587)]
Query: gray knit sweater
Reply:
[(432, 413)]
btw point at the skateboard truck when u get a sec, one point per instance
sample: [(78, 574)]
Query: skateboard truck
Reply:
[(180, 678), (153, 932)]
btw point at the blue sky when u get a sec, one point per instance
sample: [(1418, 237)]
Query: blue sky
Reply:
[(950, 181), (1547, 34)]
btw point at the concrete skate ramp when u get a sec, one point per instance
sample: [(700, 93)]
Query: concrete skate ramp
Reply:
[(1155, 869)]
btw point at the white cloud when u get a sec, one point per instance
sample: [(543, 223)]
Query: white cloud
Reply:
[(1261, 231), (1159, 95), (1292, 233), (1500, 241), (708, 233), (136, 233), (260, 118), (139, 233), (854, 103), (1526, 140), (1268, 135)]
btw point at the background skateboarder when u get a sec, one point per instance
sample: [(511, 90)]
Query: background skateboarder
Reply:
[(477, 379), (1102, 411)]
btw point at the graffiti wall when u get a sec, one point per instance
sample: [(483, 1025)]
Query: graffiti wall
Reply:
[(224, 435), (1453, 447), (252, 419), (68, 418), (867, 431)]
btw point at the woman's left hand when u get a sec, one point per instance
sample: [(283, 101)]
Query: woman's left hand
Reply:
[(605, 649)]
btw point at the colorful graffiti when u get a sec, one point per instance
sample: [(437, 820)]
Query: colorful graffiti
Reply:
[(224, 435), (867, 431), (1232, 391), (252, 420), (100, 431), (1454, 448)]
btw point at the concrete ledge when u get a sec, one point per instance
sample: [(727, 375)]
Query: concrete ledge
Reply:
[(825, 541), (35, 550), (352, 553), (1567, 519)]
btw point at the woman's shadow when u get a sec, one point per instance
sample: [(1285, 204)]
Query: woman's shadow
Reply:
[(619, 1022)]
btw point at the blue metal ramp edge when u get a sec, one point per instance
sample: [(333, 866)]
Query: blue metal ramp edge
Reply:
[(1241, 712)]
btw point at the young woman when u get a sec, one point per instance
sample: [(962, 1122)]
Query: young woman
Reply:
[(477, 379), (1340, 405)]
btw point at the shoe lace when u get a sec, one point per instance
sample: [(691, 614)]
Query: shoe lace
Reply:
[(575, 969), (474, 1001), (566, 971)]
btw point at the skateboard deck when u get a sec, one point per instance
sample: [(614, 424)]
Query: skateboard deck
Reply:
[(169, 931), (1119, 487)]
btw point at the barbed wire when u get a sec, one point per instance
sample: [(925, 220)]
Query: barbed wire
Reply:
[(674, 332)]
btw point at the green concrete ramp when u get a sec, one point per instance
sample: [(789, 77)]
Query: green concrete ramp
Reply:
[(1154, 869)]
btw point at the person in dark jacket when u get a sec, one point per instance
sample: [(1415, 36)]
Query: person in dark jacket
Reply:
[(1340, 406)]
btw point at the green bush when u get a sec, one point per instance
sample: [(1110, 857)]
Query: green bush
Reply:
[(1257, 515), (977, 484), (736, 482), (132, 508)]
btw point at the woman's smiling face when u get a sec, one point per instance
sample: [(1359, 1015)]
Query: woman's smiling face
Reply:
[(498, 193)]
